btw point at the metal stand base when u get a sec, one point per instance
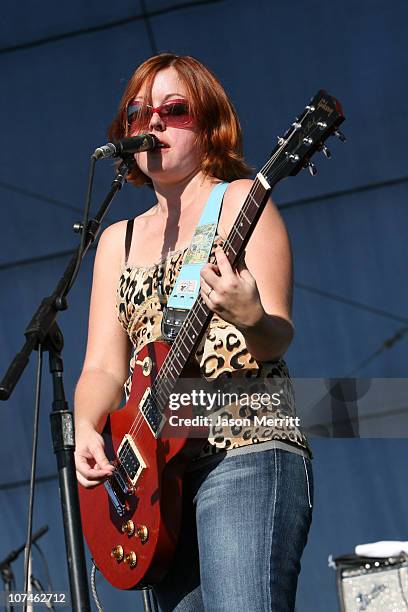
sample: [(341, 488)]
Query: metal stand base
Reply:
[(149, 600)]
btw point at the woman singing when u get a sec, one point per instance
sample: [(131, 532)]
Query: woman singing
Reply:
[(247, 498)]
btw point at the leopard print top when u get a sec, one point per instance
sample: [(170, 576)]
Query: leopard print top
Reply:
[(222, 352)]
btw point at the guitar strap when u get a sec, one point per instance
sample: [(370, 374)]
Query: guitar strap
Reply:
[(187, 285)]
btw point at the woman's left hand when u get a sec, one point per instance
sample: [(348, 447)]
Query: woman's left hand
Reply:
[(232, 294)]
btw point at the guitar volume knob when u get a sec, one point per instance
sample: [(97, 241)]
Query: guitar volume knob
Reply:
[(142, 532), (117, 553), (131, 559), (128, 527)]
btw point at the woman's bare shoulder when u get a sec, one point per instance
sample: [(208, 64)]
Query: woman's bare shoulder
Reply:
[(234, 199), (111, 245), (236, 193), (239, 186), (235, 196), (112, 238)]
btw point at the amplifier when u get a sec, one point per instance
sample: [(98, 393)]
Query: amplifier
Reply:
[(372, 584)]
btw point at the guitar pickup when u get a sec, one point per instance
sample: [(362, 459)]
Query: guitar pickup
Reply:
[(131, 461), (152, 413)]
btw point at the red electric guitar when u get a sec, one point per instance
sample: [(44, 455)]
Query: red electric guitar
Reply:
[(131, 521)]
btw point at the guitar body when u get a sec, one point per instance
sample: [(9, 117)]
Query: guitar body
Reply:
[(153, 473)]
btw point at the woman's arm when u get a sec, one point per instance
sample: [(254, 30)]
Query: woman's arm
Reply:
[(100, 387), (257, 298)]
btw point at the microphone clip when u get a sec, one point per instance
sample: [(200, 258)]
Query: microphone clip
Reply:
[(127, 146)]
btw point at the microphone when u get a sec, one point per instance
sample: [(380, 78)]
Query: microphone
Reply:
[(135, 144)]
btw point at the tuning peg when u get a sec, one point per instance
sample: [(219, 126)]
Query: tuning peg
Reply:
[(311, 167), (280, 140), (293, 157), (340, 135), (326, 152)]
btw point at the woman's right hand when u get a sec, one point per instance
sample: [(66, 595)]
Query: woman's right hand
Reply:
[(91, 463)]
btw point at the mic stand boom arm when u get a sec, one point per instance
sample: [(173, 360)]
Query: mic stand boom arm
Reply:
[(42, 321), (43, 330)]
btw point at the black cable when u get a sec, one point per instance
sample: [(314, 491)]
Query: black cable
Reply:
[(360, 419), (343, 192), (387, 344), (46, 568), (104, 26), (24, 483), (353, 303), (35, 260), (27, 549), (39, 196), (36, 583), (149, 28)]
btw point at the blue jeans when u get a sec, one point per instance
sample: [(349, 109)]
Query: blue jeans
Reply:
[(245, 525)]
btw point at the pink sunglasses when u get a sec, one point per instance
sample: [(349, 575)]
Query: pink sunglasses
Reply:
[(175, 113)]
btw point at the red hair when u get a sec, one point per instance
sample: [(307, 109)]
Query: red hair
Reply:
[(219, 136)]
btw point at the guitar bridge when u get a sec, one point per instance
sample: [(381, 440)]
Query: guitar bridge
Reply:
[(119, 506)]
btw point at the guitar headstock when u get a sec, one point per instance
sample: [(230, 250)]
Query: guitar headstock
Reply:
[(319, 120)]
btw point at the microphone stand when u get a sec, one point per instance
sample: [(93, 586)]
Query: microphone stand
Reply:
[(43, 332), (6, 572), (7, 576), (40, 589)]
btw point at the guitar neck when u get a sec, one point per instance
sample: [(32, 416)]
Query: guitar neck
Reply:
[(306, 135), (247, 219), (199, 316)]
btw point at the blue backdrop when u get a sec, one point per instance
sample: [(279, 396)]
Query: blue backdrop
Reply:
[(63, 70)]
